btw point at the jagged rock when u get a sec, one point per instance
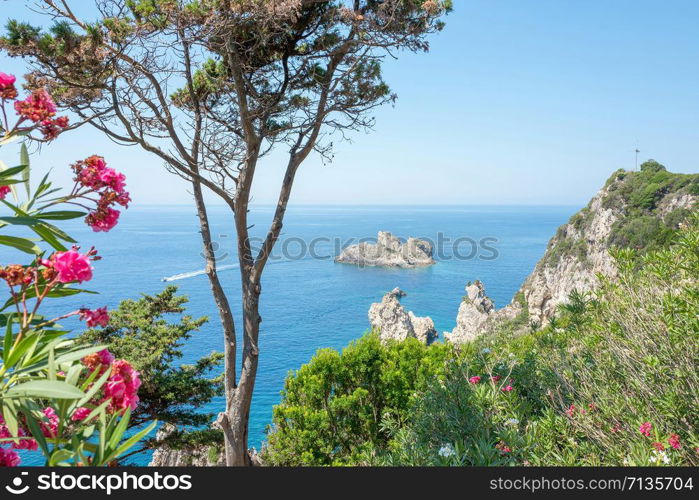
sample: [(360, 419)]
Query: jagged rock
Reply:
[(393, 322), (388, 251), (475, 309), (192, 456), (188, 456)]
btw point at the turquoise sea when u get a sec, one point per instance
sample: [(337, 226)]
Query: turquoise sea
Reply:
[(309, 302)]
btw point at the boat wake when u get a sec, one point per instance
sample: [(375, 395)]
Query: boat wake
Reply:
[(192, 274)]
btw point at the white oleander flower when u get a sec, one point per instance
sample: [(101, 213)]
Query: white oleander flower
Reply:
[(512, 421), (447, 451), (659, 456), (486, 351)]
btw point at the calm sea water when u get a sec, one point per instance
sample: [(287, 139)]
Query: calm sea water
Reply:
[(308, 301)]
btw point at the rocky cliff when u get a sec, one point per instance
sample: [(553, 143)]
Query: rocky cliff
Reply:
[(393, 322), (388, 251), (640, 210)]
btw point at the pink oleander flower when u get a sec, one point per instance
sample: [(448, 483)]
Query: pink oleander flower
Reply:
[(72, 266), (50, 428), (9, 458), (7, 86), (94, 318), (507, 388), (80, 414), (474, 380), (92, 173), (103, 220), (4, 190), (495, 378), (6, 80), (570, 411), (122, 386), (658, 446), (674, 441), (645, 428), (50, 128), (38, 107), (21, 444), (503, 447), (102, 360)]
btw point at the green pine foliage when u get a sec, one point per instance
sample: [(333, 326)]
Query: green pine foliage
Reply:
[(150, 333)]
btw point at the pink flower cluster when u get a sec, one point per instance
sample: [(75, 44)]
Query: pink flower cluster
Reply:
[(572, 410), (71, 266), (4, 190), (38, 108), (674, 439), (495, 378), (93, 173), (8, 456), (7, 87), (122, 385), (93, 318)]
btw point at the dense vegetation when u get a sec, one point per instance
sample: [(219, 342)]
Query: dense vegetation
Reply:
[(336, 407), (648, 221), (150, 332), (611, 381)]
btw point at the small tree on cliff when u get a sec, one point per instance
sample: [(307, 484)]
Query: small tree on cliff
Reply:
[(211, 87)]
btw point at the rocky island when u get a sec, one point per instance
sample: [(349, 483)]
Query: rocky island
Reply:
[(388, 251)]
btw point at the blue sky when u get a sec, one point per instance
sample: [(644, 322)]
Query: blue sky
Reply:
[(517, 103)]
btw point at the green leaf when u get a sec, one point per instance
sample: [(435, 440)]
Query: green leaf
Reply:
[(47, 235), (11, 172), (22, 244), (60, 215), (9, 336), (59, 456), (37, 434), (20, 221), (132, 441), (49, 389), (72, 355), (24, 161)]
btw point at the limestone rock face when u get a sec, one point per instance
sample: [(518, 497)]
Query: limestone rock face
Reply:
[(189, 456), (388, 251), (574, 257), (393, 322), (475, 309)]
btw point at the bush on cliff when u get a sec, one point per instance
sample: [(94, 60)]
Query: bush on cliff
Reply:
[(333, 409)]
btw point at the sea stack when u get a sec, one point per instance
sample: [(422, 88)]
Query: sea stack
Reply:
[(393, 322)]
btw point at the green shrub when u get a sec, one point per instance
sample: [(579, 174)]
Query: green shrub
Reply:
[(332, 408)]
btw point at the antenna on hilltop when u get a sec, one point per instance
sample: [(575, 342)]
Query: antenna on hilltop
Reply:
[(637, 151)]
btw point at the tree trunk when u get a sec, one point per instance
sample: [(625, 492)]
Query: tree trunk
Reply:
[(236, 441), (237, 416)]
